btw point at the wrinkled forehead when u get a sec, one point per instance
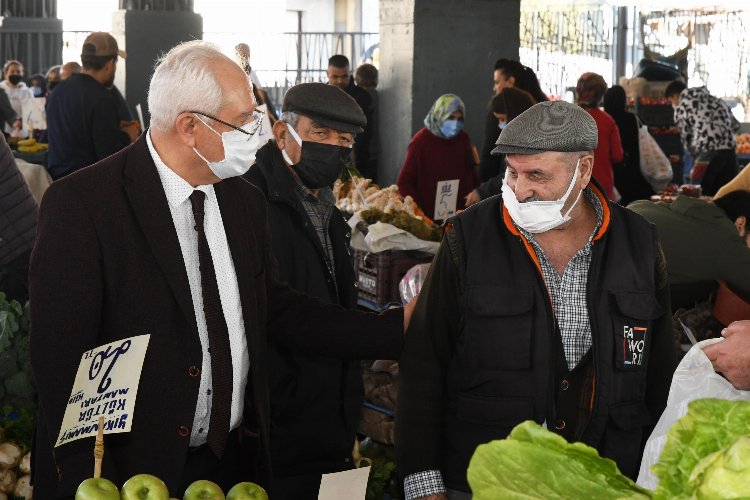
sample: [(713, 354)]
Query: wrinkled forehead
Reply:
[(549, 161)]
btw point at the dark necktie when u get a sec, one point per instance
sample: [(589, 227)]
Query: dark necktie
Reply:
[(218, 337)]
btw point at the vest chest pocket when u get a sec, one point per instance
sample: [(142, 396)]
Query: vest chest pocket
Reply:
[(499, 323), (633, 315)]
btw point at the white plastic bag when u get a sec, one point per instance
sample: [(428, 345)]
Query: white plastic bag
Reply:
[(655, 165), (381, 237), (411, 283), (694, 378)]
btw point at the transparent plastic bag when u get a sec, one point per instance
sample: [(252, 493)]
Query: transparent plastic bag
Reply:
[(411, 283), (694, 378)]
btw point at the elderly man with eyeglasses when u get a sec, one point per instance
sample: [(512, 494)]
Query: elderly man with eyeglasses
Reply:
[(315, 401), (164, 238)]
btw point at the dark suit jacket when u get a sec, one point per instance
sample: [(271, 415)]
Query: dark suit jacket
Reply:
[(107, 265)]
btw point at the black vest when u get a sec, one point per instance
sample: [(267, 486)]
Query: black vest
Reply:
[(508, 367)]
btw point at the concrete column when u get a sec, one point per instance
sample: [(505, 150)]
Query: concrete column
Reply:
[(432, 47), (31, 33), (145, 35)]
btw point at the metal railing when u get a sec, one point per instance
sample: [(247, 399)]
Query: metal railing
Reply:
[(28, 8)]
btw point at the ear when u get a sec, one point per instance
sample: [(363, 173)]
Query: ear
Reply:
[(740, 224), (280, 133), (185, 128), (512, 81), (586, 166)]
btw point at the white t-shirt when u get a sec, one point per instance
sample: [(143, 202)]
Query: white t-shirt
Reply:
[(17, 95)]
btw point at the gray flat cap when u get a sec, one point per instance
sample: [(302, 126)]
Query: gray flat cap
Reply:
[(327, 105), (549, 126)]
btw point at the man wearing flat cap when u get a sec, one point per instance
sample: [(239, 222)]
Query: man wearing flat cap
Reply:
[(315, 401), (545, 303), (165, 238), (83, 119)]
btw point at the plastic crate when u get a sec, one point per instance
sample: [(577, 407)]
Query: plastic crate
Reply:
[(378, 275), (655, 115), (671, 143)]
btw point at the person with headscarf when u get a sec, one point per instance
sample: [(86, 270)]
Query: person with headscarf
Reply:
[(629, 180), (441, 151), (505, 106), (589, 93)]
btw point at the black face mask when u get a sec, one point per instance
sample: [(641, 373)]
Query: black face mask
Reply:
[(51, 85), (321, 164), (15, 79)]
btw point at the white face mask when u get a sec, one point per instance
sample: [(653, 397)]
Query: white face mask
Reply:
[(539, 216), (239, 151)]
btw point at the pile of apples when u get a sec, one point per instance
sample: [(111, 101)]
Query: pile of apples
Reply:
[(148, 487), (743, 143)]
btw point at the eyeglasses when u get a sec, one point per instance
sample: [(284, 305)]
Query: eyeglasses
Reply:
[(257, 121)]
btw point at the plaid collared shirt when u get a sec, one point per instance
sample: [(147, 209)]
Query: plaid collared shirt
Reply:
[(568, 292), (319, 211)]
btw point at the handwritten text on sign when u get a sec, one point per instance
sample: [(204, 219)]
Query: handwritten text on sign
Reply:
[(445, 199), (106, 385)]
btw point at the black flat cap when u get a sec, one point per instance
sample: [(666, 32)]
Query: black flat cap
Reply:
[(327, 105), (549, 126)]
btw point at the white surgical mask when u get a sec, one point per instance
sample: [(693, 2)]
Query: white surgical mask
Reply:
[(539, 216), (239, 152)]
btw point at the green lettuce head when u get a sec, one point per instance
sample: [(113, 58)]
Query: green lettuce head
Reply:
[(723, 474), (534, 463)]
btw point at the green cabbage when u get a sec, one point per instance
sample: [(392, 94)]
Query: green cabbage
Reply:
[(701, 449), (534, 463)]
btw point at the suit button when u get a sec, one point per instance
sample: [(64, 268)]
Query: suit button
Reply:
[(194, 371), (183, 431), (564, 385), (560, 425)]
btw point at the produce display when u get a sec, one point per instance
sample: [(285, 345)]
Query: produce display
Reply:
[(743, 144), (706, 457), (15, 470), (148, 487), (31, 146), (361, 194), (403, 220), (536, 463)]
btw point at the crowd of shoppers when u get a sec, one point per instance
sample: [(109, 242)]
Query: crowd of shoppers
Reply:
[(233, 255)]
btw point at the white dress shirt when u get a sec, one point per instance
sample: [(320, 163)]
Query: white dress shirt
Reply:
[(178, 191)]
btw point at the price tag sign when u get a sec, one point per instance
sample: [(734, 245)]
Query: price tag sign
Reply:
[(346, 485), (445, 199), (106, 385)]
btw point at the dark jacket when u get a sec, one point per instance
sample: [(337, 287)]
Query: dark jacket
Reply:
[(7, 113), (629, 180), (107, 265), (362, 142), (315, 401), (482, 349), (490, 165), (83, 125), (18, 209), (18, 213)]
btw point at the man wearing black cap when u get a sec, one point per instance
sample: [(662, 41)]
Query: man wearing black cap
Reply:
[(315, 401), (83, 122), (548, 303)]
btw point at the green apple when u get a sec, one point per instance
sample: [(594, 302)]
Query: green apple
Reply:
[(247, 491), (144, 487), (203, 490), (97, 488)]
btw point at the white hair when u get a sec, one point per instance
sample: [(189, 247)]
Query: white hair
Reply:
[(183, 80)]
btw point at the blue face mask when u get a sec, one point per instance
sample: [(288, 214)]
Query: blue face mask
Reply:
[(37, 91), (451, 128)]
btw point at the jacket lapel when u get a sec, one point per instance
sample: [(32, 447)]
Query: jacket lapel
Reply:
[(149, 202)]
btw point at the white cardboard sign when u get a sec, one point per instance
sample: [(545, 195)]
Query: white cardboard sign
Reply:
[(346, 485), (106, 385), (445, 199), (34, 113), (266, 130)]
